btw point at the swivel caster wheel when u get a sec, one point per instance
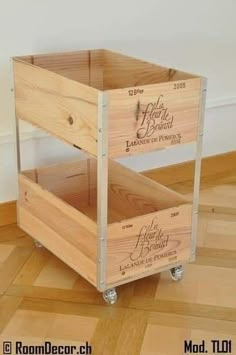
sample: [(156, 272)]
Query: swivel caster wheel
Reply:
[(177, 273), (110, 296), (37, 244)]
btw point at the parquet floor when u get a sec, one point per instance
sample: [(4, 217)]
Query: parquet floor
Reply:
[(43, 299)]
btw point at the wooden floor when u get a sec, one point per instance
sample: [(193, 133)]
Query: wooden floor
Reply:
[(41, 298)]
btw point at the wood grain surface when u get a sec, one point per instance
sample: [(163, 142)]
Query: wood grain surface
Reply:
[(63, 107), (64, 230), (158, 117), (139, 246)]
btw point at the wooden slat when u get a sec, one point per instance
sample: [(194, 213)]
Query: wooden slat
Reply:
[(144, 244), (16, 257), (159, 116), (61, 106), (8, 306), (220, 199)]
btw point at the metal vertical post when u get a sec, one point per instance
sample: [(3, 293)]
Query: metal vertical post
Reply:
[(102, 189), (17, 128), (197, 175), (18, 144)]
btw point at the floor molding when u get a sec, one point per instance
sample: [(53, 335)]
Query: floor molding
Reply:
[(7, 213), (213, 165)]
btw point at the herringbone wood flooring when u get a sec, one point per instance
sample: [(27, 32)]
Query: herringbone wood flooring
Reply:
[(43, 299)]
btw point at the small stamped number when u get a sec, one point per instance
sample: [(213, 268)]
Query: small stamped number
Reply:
[(127, 226), (133, 92), (174, 214), (181, 85)]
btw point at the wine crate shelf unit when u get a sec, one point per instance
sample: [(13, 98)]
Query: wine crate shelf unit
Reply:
[(110, 224)]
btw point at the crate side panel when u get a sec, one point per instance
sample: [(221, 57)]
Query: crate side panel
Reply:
[(69, 181), (33, 196), (54, 242), (122, 71), (74, 65), (74, 182), (137, 246), (153, 117), (83, 66), (132, 194), (69, 224), (59, 105)]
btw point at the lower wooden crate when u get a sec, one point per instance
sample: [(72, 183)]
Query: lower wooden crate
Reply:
[(149, 225)]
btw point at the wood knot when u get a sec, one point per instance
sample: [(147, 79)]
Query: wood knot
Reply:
[(26, 196), (70, 120), (137, 110)]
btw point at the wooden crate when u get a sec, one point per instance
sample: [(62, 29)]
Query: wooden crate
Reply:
[(149, 107), (149, 225), (110, 224)]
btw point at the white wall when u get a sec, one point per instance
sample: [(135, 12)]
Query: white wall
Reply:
[(196, 36)]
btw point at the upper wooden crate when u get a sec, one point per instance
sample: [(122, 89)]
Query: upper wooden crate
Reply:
[(149, 107)]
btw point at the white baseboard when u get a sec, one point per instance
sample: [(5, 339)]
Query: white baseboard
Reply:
[(34, 133), (219, 102)]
